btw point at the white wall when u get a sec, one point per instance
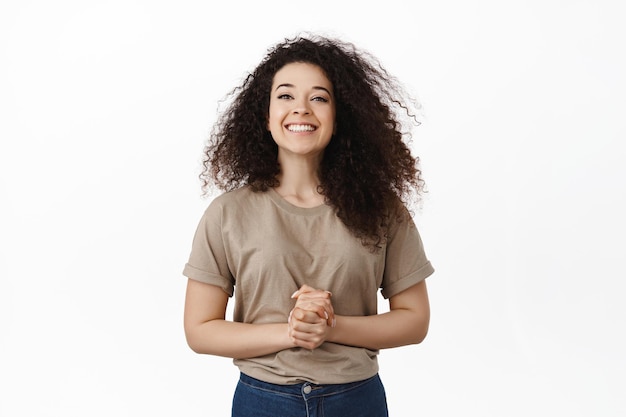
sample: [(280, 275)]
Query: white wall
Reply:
[(104, 109)]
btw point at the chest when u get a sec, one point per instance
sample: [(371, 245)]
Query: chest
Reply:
[(273, 252)]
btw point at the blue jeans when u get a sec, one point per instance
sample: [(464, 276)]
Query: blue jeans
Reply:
[(254, 398)]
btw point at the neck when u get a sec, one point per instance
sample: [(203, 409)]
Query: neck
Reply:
[(299, 181)]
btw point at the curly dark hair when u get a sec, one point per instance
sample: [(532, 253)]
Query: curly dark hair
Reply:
[(367, 170)]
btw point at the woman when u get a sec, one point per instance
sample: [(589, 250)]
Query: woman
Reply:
[(313, 222)]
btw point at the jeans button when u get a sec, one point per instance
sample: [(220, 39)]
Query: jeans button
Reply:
[(307, 389)]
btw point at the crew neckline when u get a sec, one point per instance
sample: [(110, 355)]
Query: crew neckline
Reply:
[(292, 208)]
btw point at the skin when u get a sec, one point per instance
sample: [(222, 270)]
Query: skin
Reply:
[(406, 322), (301, 95), (209, 332)]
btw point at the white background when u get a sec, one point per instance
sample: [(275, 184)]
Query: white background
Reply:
[(104, 110)]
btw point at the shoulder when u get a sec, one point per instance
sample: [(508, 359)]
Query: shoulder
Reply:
[(230, 197), (399, 216), (236, 201)]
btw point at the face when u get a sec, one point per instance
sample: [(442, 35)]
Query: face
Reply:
[(302, 110)]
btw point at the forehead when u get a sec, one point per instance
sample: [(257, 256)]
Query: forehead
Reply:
[(301, 74)]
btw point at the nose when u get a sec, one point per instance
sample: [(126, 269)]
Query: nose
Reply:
[(301, 107)]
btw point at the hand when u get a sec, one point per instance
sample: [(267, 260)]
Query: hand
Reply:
[(311, 318), (307, 329), (317, 301)]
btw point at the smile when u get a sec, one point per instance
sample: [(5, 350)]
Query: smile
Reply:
[(301, 128)]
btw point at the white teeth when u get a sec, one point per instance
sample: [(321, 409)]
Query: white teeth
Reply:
[(300, 128)]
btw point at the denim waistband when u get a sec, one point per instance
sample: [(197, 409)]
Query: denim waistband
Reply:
[(306, 389)]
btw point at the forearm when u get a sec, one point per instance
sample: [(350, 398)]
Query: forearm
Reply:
[(237, 340), (392, 329)]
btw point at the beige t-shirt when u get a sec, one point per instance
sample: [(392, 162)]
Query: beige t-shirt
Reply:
[(260, 248)]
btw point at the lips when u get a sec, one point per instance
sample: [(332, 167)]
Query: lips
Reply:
[(298, 128)]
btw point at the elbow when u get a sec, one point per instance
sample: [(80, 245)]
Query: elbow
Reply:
[(203, 339), (193, 341), (420, 335), (193, 345), (195, 348), (420, 331)]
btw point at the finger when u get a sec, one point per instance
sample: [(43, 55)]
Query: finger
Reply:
[(306, 331), (312, 295), (308, 336), (304, 339), (306, 316), (313, 292), (302, 290), (307, 344), (311, 302), (320, 310), (310, 345), (323, 308)]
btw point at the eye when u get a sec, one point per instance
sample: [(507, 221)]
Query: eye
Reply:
[(321, 99), (284, 97)]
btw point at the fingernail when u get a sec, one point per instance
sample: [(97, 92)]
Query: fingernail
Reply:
[(294, 294), (330, 293), (326, 314), (334, 322)]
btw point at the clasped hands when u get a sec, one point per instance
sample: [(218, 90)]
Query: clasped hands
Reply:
[(312, 318)]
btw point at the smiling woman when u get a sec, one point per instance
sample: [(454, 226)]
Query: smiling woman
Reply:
[(301, 120), (302, 111), (313, 222)]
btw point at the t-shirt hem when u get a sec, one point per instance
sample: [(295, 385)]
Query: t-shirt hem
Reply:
[(272, 378)]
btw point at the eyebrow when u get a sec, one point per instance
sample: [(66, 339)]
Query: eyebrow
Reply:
[(316, 87)]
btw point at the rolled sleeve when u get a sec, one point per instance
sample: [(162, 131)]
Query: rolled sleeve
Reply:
[(208, 260), (196, 274), (406, 263), (408, 281)]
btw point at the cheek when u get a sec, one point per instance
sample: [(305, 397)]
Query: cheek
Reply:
[(332, 121), (274, 116)]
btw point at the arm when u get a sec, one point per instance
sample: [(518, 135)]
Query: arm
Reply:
[(406, 323), (207, 330)]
